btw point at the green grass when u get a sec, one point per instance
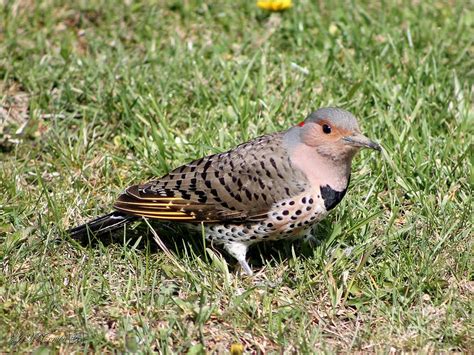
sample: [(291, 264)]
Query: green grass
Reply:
[(97, 95)]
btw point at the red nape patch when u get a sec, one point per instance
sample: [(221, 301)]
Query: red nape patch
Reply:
[(301, 124)]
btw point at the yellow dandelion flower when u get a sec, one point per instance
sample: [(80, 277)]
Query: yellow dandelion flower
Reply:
[(236, 349), (333, 29), (274, 5)]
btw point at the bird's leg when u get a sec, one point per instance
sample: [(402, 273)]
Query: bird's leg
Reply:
[(309, 238), (245, 266), (239, 251)]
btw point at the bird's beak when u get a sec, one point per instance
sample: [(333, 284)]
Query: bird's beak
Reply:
[(359, 140)]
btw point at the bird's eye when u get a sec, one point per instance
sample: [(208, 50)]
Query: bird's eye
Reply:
[(326, 129)]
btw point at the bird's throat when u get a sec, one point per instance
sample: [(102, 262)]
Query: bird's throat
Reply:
[(321, 172)]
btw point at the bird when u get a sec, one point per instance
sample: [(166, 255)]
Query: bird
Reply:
[(276, 186)]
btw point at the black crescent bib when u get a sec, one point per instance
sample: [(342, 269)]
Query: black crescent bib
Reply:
[(332, 197)]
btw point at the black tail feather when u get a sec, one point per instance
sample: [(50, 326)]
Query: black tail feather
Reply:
[(101, 225)]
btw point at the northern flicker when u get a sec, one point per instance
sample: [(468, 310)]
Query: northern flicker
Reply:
[(273, 187)]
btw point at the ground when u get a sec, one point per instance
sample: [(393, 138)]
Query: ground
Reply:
[(98, 95)]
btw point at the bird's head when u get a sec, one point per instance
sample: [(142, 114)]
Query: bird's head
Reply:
[(334, 133)]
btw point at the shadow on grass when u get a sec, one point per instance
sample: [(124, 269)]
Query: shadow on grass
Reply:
[(179, 240)]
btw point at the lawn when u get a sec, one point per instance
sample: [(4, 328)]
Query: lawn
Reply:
[(95, 96)]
